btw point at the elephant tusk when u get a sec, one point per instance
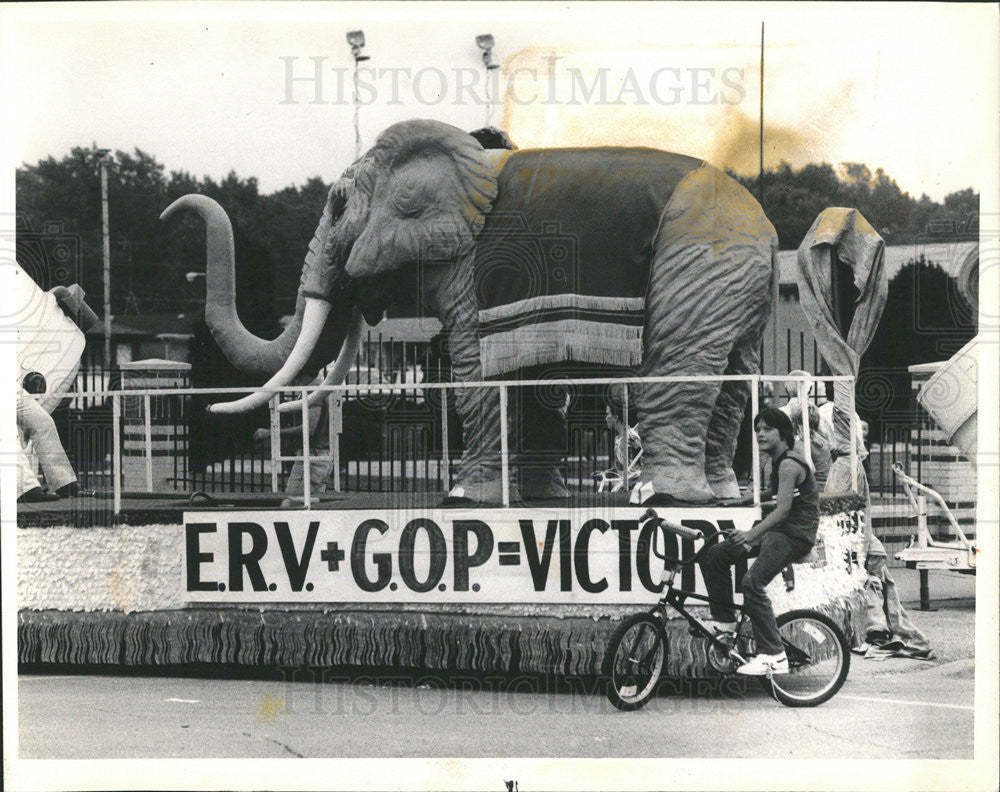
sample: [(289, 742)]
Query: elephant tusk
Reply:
[(313, 320), (348, 351)]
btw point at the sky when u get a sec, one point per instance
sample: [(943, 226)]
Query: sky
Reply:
[(266, 90)]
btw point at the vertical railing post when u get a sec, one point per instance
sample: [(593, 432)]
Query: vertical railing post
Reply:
[(755, 455), (853, 439), (306, 461), (504, 460), (920, 446), (147, 426), (625, 439), (275, 436), (335, 404), (445, 456), (803, 390), (116, 459)]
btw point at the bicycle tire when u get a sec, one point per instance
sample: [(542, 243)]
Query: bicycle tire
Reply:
[(633, 661), (818, 657)]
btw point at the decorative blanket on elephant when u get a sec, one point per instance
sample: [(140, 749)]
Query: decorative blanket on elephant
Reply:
[(562, 262)]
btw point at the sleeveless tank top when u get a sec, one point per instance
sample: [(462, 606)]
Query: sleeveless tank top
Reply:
[(802, 521)]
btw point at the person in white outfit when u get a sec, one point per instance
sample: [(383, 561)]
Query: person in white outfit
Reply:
[(37, 427)]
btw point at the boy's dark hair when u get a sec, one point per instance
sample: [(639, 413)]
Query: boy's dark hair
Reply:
[(776, 419), (493, 138)]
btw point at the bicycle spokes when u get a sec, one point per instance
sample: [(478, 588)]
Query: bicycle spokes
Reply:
[(639, 659), (635, 660), (818, 660)]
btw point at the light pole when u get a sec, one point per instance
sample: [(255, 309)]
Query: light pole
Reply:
[(356, 38), (103, 153), (485, 43)]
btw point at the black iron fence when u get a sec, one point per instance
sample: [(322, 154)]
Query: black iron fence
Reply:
[(896, 443), (389, 440), (89, 438)]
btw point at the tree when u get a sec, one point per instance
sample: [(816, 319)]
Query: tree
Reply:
[(792, 199), (149, 258)]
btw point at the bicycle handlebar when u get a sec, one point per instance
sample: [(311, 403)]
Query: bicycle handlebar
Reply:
[(667, 525), (682, 531)]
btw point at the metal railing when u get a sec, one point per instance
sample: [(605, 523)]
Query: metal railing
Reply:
[(435, 394)]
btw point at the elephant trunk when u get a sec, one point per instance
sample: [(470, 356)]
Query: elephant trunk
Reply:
[(243, 349)]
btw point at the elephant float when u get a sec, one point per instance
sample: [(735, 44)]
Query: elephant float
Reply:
[(596, 259)]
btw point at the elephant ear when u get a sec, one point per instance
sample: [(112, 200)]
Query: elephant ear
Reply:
[(431, 186)]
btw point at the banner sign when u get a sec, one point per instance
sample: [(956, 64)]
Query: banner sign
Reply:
[(557, 556)]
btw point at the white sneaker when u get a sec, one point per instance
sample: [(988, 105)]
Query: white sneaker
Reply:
[(764, 664)]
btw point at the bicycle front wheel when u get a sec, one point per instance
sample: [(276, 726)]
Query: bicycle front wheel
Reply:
[(818, 659), (633, 662)]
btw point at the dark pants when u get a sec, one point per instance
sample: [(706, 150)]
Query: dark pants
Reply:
[(777, 550)]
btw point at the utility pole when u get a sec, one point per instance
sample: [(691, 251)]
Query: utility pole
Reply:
[(356, 39), (760, 147), (107, 256)]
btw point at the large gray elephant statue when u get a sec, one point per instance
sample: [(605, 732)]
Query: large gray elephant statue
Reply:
[(602, 258)]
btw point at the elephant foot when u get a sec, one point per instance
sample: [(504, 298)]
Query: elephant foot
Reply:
[(539, 483), (457, 500), (724, 484), (640, 497), (679, 490), (656, 499), (479, 493)]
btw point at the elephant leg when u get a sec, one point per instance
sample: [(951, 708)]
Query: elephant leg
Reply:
[(727, 418), (448, 291), (709, 286), (673, 423), (538, 435), (480, 469)]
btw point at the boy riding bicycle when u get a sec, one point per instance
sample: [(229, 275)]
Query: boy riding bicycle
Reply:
[(783, 536)]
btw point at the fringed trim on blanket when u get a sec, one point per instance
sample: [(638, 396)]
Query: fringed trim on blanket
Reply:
[(560, 341), (571, 646), (550, 302)]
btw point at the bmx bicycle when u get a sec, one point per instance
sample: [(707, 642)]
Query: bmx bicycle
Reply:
[(818, 654)]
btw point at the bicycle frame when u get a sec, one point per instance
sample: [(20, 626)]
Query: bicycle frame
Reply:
[(676, 599)]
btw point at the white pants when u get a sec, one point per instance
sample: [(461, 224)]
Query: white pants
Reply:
[(320, 468), (37, 427)]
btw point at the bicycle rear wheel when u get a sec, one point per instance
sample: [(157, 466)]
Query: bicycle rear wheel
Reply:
[(633, 662), (818, 659)]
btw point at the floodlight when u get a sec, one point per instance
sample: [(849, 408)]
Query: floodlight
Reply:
[(485, 43), (356, 38)]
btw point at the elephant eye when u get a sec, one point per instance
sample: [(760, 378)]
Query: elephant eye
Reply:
[(407, 194)]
